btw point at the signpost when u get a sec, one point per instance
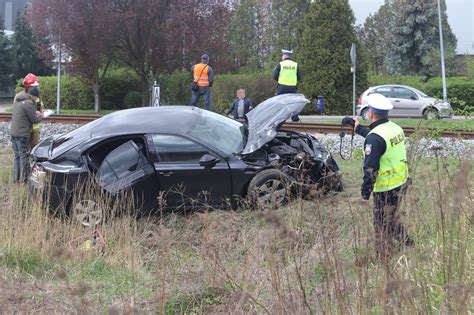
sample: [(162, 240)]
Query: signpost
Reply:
[(155, 94), (353, 54)]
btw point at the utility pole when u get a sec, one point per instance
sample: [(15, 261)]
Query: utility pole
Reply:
[(58, 96), (441, 47), (353, 55)]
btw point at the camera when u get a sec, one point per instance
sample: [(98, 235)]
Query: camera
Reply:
[(348, 121)]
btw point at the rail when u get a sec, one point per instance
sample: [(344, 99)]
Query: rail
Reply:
[(302, 127)]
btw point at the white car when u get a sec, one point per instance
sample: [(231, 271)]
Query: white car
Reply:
[(407, 102)]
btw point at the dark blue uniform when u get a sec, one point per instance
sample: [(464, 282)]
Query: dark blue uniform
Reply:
[(386, 218)]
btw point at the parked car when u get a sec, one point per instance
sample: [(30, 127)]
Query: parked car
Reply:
[(407, 102), (189, 155)]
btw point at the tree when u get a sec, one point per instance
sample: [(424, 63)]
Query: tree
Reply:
[(25, 47), (140, 38), (416, 38), (324, 55), (83, 28), (243, 34), (286, 24), (377, 37), (6, 61)]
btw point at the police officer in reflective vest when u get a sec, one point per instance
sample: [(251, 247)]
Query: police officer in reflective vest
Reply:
[(203, 75), (287, 74), (385, 172)]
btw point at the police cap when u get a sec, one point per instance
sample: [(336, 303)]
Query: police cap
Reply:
[(379, 104), (288, 53)]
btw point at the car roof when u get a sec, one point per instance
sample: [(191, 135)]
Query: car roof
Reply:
[(160, 119), (392, 85)]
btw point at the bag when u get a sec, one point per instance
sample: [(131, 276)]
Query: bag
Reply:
[(195, 85)]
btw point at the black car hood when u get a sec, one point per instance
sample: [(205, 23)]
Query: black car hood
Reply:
[(265, 118)]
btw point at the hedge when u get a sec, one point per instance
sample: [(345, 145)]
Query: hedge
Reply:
[(121, 89)]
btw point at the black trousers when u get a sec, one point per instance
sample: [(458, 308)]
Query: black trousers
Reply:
[(387, 221)]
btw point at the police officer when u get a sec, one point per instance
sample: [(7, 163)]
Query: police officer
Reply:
[(287, 74), (385, 172)]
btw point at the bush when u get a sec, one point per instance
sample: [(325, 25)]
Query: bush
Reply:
[(75, 94), (132, 99), (118, 82)]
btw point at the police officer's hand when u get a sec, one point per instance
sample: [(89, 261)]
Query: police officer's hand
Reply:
[(356, 120), (364, 202), (39, 114)]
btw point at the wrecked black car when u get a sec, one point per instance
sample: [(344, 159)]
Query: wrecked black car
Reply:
[(183, 157)]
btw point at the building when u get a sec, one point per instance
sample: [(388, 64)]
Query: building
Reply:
[(8, 12)]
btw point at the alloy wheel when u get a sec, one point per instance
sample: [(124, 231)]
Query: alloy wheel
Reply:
[(271, 193), (87, 213)]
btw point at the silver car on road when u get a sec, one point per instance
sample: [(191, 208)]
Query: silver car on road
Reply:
[(407, 102)]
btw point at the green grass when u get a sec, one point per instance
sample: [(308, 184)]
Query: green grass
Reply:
[(250, 261)]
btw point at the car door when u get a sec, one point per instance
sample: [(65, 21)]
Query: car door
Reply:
[(406, 101), (126, 170), (183, 179)]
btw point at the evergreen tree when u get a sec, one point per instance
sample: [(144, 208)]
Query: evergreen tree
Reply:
[(7, 62), (377, 37), (243, 34), (324, 55), (286, 24), (28, 58), (416, 38)]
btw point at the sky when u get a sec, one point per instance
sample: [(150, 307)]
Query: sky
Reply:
[(460, 18)]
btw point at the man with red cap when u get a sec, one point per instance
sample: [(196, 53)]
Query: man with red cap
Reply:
[(31, 80), (25, 114)]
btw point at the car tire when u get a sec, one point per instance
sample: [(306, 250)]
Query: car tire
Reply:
[(269, 189), (365, 114), (430, 114), (87, 213)]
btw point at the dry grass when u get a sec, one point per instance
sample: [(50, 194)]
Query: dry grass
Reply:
[(309, 257)]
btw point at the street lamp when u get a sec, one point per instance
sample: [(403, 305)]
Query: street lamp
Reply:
[(441, 47)]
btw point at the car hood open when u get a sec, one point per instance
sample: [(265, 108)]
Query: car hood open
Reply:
[(265, 118)]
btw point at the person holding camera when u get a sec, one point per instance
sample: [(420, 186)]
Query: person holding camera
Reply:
[(385, 173), (203, 76)]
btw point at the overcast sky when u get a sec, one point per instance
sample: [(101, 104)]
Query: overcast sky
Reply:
[(460, 17)]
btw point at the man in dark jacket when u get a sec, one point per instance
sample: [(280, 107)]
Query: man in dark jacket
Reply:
[(23, 118), (241, 106)]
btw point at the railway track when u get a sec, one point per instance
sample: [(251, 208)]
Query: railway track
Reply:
[(302, 127)]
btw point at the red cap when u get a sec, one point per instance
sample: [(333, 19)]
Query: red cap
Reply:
[(30, 80)]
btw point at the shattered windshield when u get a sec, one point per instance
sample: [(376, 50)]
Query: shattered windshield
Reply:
[(220, 132)]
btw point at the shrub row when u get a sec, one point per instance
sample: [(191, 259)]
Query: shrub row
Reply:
[(121, 89)]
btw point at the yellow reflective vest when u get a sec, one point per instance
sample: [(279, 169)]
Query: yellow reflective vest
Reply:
[(288, 73), (393, 169)]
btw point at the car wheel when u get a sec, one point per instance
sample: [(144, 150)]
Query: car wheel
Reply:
[(365, 114), (269, 188), (430, 114), (87, 213)]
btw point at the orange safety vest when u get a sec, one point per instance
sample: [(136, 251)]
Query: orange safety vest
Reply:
[(201, 74)]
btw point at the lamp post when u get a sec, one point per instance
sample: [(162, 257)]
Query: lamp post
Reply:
[(441, 47), (58, 96)]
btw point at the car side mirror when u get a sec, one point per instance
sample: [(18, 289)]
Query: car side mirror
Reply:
[(208, 161), (413, 98)]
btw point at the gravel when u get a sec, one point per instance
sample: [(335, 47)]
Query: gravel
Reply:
[(445, 147)]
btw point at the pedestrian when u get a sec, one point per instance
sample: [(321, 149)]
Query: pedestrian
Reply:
[(203, 79), (287, 74), (23, 118), (240, 106), (385, 173), (29, 81)]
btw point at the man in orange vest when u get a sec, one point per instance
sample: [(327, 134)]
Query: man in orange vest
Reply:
[(203, 80)]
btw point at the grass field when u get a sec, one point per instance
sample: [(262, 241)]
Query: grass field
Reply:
[(312, 256)]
